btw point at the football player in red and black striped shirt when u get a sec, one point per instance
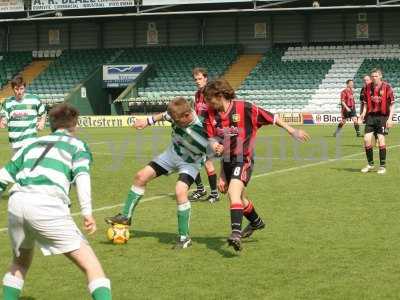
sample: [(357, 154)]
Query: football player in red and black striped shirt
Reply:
[(378, 113), (348, 108), (232, 126), (200, 77), (366, 81)]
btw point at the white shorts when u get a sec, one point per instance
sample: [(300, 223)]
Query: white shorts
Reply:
[(171, 162), (44, 220)]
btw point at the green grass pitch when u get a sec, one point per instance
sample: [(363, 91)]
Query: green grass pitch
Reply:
[(333, 233)]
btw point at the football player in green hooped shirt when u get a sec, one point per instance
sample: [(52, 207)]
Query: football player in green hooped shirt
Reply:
[(23, 114), (42, 174), (185, 154)]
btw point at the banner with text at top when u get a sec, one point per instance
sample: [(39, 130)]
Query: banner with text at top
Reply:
[(113, 121), (179, 2), (11, 5), (78, 4)]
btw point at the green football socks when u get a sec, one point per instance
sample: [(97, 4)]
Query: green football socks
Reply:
[(100, 289), (134, 196), (184, 219), (12, 287)]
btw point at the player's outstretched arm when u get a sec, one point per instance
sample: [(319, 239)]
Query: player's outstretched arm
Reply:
[(298, 134), (151, 120)]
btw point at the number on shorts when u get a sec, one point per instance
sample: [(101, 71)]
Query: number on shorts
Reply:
[(236, 172)]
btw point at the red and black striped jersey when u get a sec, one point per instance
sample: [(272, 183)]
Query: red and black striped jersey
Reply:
[(378, 98), (347, 97), (200, 104), (237, 127)]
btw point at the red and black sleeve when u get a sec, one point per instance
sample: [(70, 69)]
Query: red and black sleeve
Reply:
[(390, 94), (263, 117), (208, 120)]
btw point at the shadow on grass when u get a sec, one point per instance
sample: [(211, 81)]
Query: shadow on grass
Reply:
[(217, 244), (351, 170), (27, 298)]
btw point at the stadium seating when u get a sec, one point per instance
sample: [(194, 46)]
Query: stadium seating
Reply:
[(11, 63), (73, 66), (173, 66), (310, 78), (350, 62), (281, 84), (287, 79)]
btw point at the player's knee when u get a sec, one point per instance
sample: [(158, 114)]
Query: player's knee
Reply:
[(181, 191), (140, 178)]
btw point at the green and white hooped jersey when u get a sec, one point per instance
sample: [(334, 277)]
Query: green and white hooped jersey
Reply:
[(47, 166), (21, 119), (189, 143)]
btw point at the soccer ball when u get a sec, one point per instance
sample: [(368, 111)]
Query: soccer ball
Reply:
[(118, 234)]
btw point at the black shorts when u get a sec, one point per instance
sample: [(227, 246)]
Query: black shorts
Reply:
[(376, 123), (349, 114), (239, 170), (186, 178)]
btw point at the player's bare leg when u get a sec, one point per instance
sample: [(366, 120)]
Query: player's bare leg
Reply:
[(84, 257), (339, 127), (135, 193), (13, 280), (369, 152), (356, 126)]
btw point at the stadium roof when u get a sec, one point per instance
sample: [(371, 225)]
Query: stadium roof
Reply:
[(197, 7)]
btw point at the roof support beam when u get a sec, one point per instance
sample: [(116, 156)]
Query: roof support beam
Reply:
[(155, 8), (388, 2), (276, 3)]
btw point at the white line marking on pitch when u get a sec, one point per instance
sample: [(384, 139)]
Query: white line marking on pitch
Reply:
[(98, 143), (255, 176), (256, 158)]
